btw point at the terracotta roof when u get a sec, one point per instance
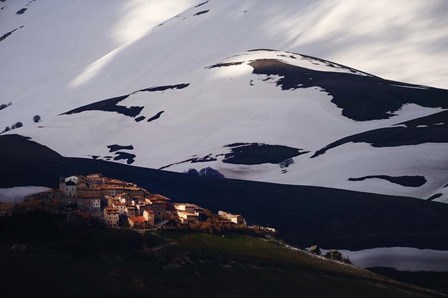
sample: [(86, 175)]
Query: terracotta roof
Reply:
[(129, 188), (159, 197), (138, 219), (111, 209), (89, 188), (113, 180), (188, 205), (105, 186), (158, 202)]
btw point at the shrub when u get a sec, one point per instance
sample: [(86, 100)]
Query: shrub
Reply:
[(3, 106), (36, 118)]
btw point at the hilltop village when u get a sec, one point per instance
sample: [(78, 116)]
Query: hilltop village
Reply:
[(118, 204), (121, 204)]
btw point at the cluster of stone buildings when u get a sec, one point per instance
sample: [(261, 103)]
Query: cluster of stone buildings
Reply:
[(233, 218), (116, 203), (140, 212)]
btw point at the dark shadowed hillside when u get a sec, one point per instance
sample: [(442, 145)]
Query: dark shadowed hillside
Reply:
[(304, 215), (90, 261)]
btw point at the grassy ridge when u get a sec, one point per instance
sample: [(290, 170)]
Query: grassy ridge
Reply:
[(427, 279), (88, 261)]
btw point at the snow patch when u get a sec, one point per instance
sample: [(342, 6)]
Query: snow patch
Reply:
[(400, 258)]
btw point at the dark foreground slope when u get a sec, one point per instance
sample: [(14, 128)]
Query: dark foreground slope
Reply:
[(304, 215), (89, 261)]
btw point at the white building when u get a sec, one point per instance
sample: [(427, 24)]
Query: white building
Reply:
[(70, 189), (188, 208), (68, 186), (188, 212), (235, 218), (186, 217), (150, 217)]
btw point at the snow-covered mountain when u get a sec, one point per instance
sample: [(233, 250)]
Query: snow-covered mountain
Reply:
[(237, 86)]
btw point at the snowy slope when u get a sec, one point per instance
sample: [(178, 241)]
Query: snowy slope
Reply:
[(17, 194), (399, 258), (186, 86)]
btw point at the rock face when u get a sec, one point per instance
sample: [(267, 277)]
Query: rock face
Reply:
[(214, 103)]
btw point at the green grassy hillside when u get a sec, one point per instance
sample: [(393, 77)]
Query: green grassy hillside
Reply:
[(90, 261)]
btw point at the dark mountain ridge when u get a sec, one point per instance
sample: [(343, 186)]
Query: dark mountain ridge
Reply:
[(304, 215)]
